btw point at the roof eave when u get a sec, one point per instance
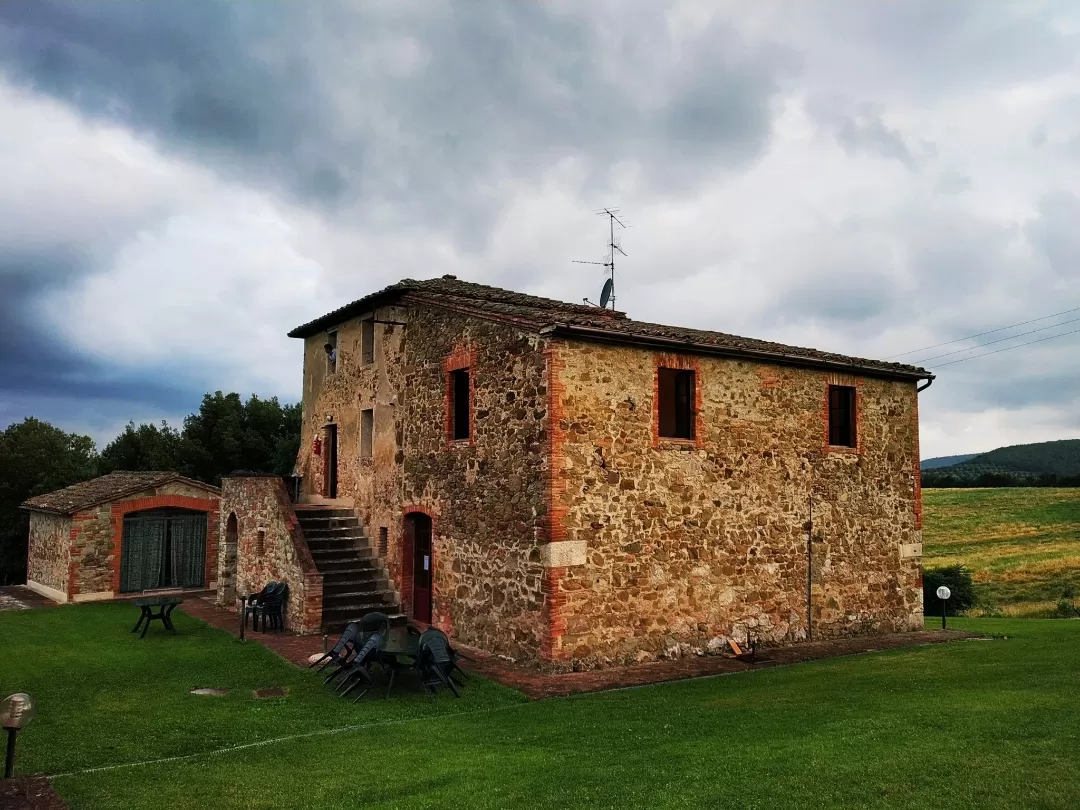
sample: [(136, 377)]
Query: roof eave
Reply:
[(652, 341), (338, 316)]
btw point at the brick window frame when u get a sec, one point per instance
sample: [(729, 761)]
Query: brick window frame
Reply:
[(211, 506), (463, 358), (845, 381), (678, 362)]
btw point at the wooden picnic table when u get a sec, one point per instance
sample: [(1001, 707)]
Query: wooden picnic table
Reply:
[(166, 605)]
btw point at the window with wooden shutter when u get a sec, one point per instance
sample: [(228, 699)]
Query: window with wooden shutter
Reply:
[(459, 404), (842, 416), (675, 390), (367, 341)]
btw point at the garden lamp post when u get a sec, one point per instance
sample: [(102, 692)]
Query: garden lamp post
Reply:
[(15, 712), (943, 593), (243, 611)]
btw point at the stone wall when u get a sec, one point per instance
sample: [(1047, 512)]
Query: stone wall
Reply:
[(486, 496), (49, 554), (682, 542), (93, 545), (270, 546)]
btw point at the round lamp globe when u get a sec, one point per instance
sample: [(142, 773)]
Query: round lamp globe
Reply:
[(16, 710)]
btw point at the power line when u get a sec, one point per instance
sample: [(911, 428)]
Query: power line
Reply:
[(1007, 348), (972, 337), (999, 340)]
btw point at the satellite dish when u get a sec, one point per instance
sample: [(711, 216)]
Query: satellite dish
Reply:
[(605, 295)]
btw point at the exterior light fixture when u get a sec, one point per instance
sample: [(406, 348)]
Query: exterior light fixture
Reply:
[(15, 712), (943, 593)]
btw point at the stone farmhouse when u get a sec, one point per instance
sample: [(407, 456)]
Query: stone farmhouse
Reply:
[(123, 534), (561, 484)]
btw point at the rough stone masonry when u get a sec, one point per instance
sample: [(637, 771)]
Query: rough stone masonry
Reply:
[(566, 529)]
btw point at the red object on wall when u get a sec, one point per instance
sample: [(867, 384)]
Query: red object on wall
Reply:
[(316, 446)]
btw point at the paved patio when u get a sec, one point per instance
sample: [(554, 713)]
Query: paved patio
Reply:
[(538, 685), (19, 597)]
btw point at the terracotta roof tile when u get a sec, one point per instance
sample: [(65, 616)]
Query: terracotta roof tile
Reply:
[(101, 490), (586, 322)]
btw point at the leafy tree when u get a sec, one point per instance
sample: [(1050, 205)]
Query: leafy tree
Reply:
[(146, 447), (958, 580), (35, 458), (228, 434)]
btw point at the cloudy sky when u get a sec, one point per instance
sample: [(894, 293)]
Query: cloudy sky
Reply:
[(182, 183)]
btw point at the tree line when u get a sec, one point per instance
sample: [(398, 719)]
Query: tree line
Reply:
[(226, 434), (939, 479)]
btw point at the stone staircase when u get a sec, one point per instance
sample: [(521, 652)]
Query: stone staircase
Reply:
[(354, 580)]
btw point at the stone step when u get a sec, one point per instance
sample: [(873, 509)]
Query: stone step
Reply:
[(338, 617), (335, 565), (356, 547), (325, 543), (375, 594), (315, 512), (357, 582), (357, 571), (333, 534)]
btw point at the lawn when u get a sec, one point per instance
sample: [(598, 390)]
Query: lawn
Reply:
[(984, 724), (1021, 544)]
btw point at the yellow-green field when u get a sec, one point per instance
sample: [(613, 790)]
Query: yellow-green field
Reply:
[(1021, 544)]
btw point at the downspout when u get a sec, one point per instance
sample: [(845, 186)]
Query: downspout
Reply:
[(810, 574), (929, 382)]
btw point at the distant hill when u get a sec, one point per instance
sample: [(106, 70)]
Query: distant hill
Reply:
[(944, 461), (1021, 462)]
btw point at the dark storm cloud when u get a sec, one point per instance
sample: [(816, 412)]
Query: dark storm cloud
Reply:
[(33, 362), (496, 91)]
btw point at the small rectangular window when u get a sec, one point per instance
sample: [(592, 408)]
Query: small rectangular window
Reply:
[(842, 416), (675, 391), (367, 425), (331, 352), (459, 403), (367, 341), (384, 540)]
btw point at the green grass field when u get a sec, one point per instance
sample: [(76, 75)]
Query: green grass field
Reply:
[(1022, 545), (971, 724)]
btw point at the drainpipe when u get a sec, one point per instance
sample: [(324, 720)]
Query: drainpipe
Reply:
[(810, 574), (929, 382)]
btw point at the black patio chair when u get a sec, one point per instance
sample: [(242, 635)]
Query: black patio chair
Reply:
[(343, 648), (254, 603), (436, 661), (272, 607), (357, 671), (367, 625)]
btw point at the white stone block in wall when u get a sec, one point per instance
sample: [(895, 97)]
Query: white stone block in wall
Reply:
[(563, 553)]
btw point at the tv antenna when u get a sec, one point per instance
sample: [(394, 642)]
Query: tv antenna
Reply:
[(607, 295)]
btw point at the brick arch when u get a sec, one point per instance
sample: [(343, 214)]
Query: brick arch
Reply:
[(211, 506)]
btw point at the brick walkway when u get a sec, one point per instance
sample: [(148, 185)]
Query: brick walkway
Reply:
[(538, 685)]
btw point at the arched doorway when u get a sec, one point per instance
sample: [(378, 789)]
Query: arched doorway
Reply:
[(228, 565), (419, 559)]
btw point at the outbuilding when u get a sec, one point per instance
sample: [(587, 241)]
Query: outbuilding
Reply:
[(125, 533)]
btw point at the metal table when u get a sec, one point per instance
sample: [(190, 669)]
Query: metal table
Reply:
[(147, 604), (402, 641)]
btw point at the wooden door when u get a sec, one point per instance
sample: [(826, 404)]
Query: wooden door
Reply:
[(331, 461), (422, 563)]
